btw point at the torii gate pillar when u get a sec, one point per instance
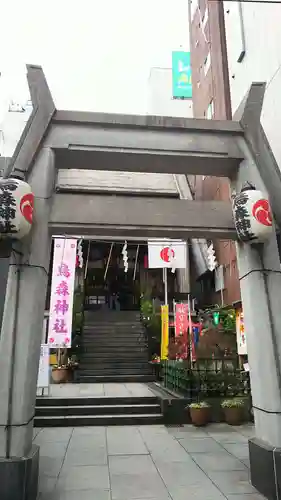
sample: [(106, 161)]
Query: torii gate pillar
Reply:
[(260, 281)]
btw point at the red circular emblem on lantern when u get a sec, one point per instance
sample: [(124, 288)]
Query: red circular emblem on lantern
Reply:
[(262, 213), (26, 206), (165, 254)]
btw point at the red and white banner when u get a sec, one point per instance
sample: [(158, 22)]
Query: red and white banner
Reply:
[(240, 333), (62, 291), (181, 320), (167, 253)]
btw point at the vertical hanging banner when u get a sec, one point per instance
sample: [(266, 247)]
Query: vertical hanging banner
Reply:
[(167, 253), (181, 322), (62, 292), (165, 332), (240, 333), (43, 372), (181, 75)]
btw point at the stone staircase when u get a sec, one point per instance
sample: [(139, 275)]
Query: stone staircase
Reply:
[(90, 411), (114, 348)]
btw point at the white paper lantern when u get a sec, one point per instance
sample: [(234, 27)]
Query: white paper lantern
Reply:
[(252, 216), (16, 208)]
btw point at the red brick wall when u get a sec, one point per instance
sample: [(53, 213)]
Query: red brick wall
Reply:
[(213, 86)]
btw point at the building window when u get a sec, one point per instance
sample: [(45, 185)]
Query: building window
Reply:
[(207, 63), (194, 5), (210, 110)]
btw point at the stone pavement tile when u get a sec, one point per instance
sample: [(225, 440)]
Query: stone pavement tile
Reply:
[(87, 441), (116, 390), (91, 494), (46, 484), (221, 461), (54, 434), (196, 492), (246, 461), (88, 431), (36, 431), (135, 477), (137, 389), (232, 482), (228, 437), (78, 456), (50, 466), (246, 496), (200, 445), (83, 478), (138, 486), (125, 441), (148, 430), (54, 450), (131, 464), (94, 390), (165, 447), (239, 450), (177, 474), (187, 430), (81, 495), (247, 430), (170, 455)]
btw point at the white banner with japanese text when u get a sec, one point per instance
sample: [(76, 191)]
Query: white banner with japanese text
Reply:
[(62, 292), (43, 372)]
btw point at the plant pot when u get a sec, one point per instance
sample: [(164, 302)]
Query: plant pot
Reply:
[(233, 416), (70, 376), (200, 416), (60, 375)]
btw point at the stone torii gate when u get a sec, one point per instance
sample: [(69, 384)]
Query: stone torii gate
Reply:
[(53, 140)]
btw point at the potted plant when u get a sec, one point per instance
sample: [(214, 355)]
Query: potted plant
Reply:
[(200, 413), (60, 371), (156, 364), (233, 411), (72, 365)]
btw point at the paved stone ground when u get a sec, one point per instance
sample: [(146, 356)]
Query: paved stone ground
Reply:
[(99, 390), (145, 463)]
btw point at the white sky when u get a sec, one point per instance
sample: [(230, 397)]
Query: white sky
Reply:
[(96, 54)]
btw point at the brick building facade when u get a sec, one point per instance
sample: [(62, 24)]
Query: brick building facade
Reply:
[(211, 100)]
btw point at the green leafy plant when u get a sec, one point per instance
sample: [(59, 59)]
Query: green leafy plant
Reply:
[(233, 403), (199, 404), (146, 309)]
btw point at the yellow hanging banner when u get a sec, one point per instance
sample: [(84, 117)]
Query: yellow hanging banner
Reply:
[(165, 331)]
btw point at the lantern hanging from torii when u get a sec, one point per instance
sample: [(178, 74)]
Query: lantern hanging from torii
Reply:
[(16, 208), (252, 216)]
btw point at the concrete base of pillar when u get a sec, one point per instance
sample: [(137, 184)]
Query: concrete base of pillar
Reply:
[(265, 468), (19, 477)]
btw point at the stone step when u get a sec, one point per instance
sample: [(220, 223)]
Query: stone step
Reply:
[(102, 379), (115, 409), (91, 357), (97, 420), (96, 371), (95, 401), (112, 362), (112, 336), (112, 343)]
